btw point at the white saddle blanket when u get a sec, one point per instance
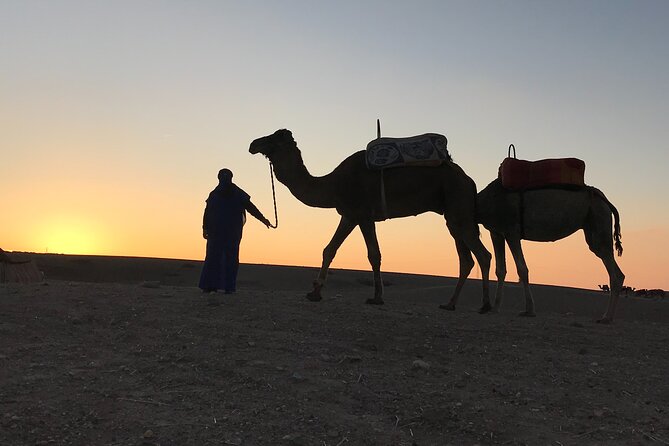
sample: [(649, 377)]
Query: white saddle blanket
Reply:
[(428, 149)]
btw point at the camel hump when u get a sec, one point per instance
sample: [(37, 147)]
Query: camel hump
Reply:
[(428, 149)]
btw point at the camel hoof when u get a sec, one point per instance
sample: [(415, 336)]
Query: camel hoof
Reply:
[(375, 301), (449, 307), (527, 314), (314, 296), (485, 309), (605, 321)]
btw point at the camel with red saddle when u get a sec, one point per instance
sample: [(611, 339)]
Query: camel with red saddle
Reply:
[(545, 201)]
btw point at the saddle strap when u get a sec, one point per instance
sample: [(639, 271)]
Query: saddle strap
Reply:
[(384, 204)]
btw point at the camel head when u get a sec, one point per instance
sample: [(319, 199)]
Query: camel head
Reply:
[(273, 144)]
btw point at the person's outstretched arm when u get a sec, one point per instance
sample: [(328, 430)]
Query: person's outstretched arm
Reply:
[(253, 210)]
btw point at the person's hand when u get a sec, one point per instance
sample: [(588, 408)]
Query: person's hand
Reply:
[(204, 234), (266, 222)]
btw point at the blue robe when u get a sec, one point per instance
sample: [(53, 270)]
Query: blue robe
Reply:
[(224, 218)]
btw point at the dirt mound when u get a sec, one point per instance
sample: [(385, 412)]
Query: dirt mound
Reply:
[(17, 268)]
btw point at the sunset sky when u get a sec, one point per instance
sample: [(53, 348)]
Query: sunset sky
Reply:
[(117, 115)]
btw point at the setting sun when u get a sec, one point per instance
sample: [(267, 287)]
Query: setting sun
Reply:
[(69, 235)]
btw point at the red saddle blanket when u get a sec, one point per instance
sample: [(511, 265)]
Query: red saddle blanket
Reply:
[(521, 174)]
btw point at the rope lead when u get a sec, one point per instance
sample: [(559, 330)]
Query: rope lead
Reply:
[(276, 215)]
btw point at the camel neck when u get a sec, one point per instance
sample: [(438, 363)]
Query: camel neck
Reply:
[(310, 190)]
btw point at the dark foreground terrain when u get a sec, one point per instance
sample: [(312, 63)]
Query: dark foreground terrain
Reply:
[(113, 351)]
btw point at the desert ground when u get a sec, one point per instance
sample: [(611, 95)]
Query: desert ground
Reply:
[(127, 351)]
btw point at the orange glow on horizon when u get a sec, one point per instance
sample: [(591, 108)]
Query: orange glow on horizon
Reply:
[(566, 263), (70, 235), (72, 219)]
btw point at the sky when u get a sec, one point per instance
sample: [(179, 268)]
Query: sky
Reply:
[(116, 117)]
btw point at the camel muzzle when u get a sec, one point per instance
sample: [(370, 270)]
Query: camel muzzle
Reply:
[(257, 146)]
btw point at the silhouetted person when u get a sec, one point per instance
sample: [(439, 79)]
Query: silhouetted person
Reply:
[(224, 218)]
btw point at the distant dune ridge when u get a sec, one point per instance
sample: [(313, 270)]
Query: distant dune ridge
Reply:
[(297, 280)]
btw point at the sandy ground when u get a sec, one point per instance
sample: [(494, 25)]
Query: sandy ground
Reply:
[(118, 351)]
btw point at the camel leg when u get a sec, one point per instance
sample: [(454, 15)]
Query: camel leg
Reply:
[(600, 244), (343, 230), (466, 235), (483, 257), (523, 274), (500, 268), (466, 265), (368, 230), (616, 280)]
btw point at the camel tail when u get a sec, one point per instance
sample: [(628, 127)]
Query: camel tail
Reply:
[(617, 235)]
